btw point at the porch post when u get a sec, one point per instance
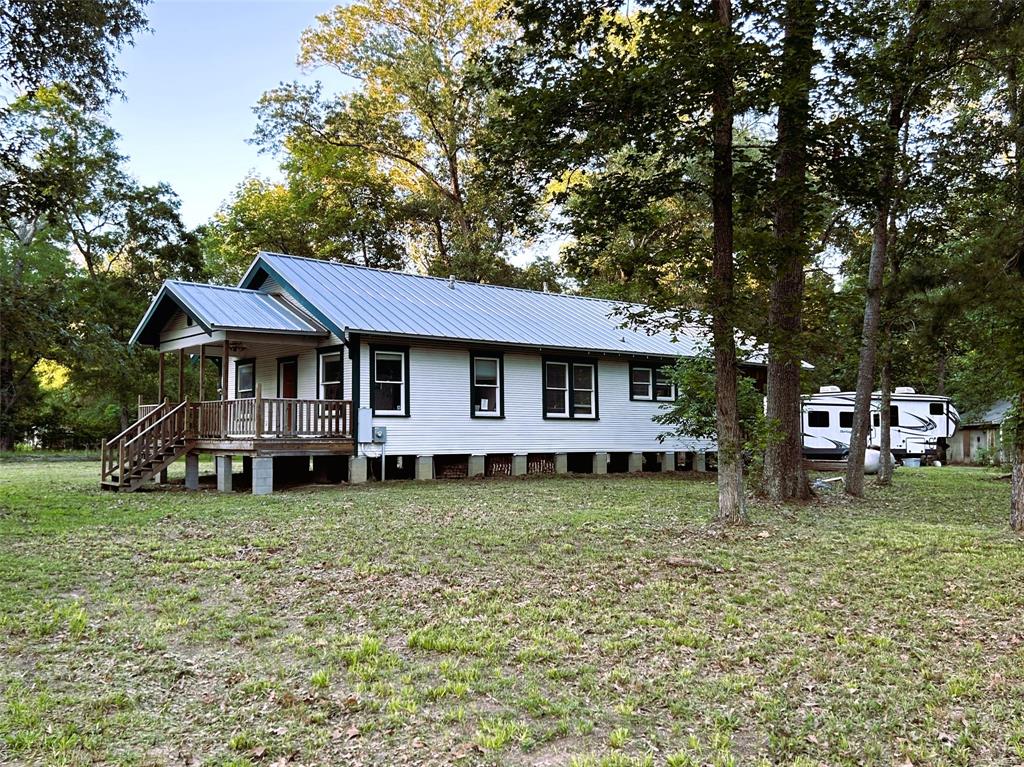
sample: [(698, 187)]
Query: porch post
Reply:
[(224, 372), (202, 368), (160, 385), (181, 375), (259, 411)]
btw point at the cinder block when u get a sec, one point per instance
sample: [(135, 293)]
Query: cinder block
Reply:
[(668, 461), (600, 463), (357, 469), (224, 473), (561, 463), (192, 471), (636, 462), (518, 464), (424, 467), (700, 462), (477, 465), (262, 476)]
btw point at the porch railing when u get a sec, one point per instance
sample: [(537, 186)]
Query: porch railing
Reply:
[(255, 417)]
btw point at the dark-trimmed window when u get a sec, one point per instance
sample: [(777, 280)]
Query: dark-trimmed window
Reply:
[(245, 379), (936, 408), (570, 389), (894, 415), (817, 419), (389, 378), (485, 385), (845, 419), (331, 376), (647, 382)]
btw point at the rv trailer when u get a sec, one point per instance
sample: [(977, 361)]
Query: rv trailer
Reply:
[(917, 422)]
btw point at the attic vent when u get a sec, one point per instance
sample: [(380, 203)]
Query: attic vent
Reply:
[(904, 390), (545, 284), (451, 281), (829, 390)]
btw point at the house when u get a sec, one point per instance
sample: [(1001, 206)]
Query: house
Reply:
[(980, 438), (373, 373)]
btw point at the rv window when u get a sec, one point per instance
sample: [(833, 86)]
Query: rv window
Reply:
[(894, 416), (937, 408), (817, 419), (846, 419), (330, 376), (389, 384), (486, 387), (876, 419)]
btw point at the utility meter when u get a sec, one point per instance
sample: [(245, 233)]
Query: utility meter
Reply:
[(380, 434)]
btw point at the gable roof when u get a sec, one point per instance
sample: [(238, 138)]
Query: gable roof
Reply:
[(215, 307), (995, 415), (365, 300)]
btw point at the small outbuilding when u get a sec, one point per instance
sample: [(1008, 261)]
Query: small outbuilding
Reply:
[(980, 436)]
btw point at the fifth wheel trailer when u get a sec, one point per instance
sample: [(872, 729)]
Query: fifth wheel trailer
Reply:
[(917, 422)]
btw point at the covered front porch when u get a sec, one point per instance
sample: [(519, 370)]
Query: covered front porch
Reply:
[(219, 404)]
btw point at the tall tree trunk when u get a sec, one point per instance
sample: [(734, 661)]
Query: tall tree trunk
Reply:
[(1017, 468), (731, 509), (785, 478), (885, 418)]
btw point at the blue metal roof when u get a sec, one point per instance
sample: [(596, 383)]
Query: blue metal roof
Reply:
[(360, 299), (216, 307)]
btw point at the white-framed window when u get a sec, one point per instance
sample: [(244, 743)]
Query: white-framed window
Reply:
[(330, 376), (570, 389), (485, 386), (640, 384), (245, 379), (583, 391), (389, 384), (647, 382), (556, 389)]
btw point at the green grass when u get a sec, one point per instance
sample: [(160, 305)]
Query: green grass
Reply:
[(584, 621)]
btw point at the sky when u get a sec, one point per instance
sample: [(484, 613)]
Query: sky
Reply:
[(190, 85)]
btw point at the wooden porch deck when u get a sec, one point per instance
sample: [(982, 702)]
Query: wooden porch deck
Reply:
[(256, 427)]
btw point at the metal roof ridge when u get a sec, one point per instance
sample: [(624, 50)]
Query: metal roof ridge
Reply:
[(598, 299), (214, 286)]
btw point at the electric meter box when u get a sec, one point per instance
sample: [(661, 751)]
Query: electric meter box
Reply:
[(380, 434)]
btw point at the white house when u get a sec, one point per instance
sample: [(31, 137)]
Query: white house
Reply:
[(378, 374)]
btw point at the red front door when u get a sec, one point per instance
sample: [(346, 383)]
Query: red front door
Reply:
[(288, 383)]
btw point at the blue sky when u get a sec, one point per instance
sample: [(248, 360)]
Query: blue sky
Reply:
[(190, 85)]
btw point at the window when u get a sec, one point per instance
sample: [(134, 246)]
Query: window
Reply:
[(389, 394), (570, 389), (650, 383), (330, 376), (485, 386), (894, 416), (640, 383), (817, 419), (937, 408), (582, 391), (845, 419), (556, 389), (245, 379), (876, 419), (664, 389)]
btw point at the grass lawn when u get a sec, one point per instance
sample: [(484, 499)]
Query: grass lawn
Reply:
[(558, 621)]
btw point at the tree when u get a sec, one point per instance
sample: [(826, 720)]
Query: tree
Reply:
[(415, 120), (785, 478)]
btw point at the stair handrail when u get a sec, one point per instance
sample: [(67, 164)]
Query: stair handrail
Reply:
[(161, 406), (179, 406)]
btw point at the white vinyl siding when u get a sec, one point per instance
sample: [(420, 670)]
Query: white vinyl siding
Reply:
[(440, 420)]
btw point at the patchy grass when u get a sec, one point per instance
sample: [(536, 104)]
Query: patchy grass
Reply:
[(590, 621)]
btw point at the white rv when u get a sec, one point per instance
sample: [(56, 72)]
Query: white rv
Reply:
[(917, 422)]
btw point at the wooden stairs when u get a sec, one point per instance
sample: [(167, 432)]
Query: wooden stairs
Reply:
[(147, 447)]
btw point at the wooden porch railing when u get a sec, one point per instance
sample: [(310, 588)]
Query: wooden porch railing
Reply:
[(277, 417), (155, 435), (148, 414)]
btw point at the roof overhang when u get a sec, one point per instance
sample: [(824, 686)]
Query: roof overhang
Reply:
[(171, 299)]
